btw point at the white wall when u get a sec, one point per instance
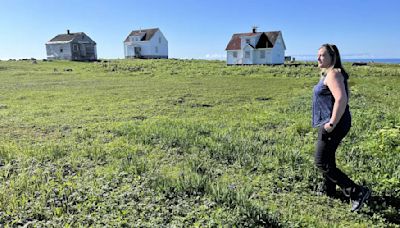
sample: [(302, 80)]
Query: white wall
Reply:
[(229, 57), (278, 52), (128, 50), (248, 60), (53, 51), (266, 59), (161, 46)]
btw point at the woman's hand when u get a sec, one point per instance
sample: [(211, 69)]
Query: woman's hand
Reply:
[(328, 128)]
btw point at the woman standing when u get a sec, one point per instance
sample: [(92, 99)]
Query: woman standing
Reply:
[(332, 115)]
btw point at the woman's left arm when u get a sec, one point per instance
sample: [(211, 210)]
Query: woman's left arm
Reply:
[(335, 82)]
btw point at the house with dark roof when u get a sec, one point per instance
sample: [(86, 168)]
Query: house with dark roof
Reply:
[(256, 48), (146, 44), (72, 46)]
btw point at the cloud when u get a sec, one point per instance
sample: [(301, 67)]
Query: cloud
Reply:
[(304, 57), (215, 56)]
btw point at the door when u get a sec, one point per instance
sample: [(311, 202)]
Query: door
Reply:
[(138, 51)]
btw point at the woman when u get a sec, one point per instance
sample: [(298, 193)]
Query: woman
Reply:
[(332, 115)]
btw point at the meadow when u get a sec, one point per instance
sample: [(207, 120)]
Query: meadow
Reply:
[(187, 143)]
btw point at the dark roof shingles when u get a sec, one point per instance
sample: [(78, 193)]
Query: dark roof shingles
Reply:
[(148, 33), (267, 40), (66, 37)]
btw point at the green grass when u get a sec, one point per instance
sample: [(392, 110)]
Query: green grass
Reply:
[(187, 143)]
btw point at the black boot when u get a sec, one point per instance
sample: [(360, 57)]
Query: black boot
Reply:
[(359, 199)]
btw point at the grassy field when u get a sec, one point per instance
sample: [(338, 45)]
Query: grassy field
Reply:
[(178, 143)]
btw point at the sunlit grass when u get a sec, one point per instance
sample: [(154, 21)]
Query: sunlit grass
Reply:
[(186, 143)]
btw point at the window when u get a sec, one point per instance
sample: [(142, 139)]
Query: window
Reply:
[(75, 47), (156, 49), (234, 54), (61, 50), (262, 54), (247, 54), (159, 40), (247, 41)]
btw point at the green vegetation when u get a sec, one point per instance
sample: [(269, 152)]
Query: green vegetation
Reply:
[(187, 143)]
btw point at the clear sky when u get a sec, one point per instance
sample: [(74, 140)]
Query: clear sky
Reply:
[(201, 29)]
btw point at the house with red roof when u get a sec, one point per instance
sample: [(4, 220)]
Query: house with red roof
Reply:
[(256, 48), (71, 46), (146, 44)]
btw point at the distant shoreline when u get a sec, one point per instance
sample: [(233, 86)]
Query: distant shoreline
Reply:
[(387, 61)]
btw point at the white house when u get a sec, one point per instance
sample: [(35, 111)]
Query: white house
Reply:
[(72, 46), (256, 48), (146, 44)]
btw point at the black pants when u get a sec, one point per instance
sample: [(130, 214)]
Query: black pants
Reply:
[(325, 158)]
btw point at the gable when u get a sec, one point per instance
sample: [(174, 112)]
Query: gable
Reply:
[(248, 47), (283, 42), (235, 42), (146, 34), (265, 41)]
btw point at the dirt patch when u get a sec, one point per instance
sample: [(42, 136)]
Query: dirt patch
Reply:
[(139, 118), (263, 98), (201, 106)]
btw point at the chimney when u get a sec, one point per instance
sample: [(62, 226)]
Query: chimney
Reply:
[(68, 31), (254, 29)]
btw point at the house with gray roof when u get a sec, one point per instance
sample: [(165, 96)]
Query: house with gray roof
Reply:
[(72, 46), (256, 48), (146, 44)]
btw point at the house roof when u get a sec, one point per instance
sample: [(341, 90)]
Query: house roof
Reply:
[(266, 40), (146, 33), (68, 37)]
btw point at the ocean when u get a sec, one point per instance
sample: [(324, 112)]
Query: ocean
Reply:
[(388, 61)]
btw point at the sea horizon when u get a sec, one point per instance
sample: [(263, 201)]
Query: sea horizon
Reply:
[(366, 60), (358, 60), (377, 60)]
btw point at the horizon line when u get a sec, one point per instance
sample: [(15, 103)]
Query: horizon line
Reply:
[(210, 59)]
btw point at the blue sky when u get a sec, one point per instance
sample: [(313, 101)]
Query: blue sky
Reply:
[(202, 29)]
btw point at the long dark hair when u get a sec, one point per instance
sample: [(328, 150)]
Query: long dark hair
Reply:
[(333, 51)]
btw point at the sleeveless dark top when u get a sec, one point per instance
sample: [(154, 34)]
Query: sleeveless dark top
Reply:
[(323, 101)]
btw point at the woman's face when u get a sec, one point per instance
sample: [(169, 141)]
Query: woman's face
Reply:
[(324, 59)]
